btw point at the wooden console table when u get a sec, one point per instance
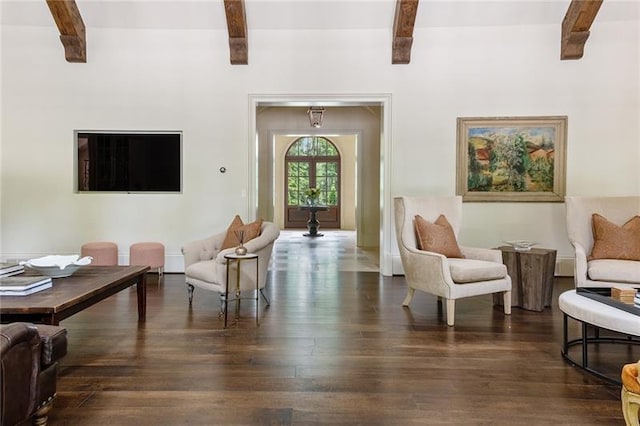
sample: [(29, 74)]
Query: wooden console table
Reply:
[(70, 295), (532, 273)]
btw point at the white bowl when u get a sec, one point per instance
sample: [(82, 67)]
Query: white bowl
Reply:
[(55, 271), (521, 245), (57, 266)]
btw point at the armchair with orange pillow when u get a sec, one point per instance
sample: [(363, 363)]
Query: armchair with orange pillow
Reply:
[(426, 231), (205, 266), (605, 234)]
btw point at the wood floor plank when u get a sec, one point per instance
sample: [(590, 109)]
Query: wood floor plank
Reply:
[(332, 349)]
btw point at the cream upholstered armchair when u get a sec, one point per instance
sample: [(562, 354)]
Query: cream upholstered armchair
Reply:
[(481, 271), (617, 229), (205, 266)]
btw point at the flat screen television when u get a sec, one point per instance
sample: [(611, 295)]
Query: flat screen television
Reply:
[(129, 161)]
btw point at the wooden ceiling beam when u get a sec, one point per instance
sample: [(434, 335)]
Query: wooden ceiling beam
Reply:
[(72, 30), (237, 27), (403, 23), (575, 27)]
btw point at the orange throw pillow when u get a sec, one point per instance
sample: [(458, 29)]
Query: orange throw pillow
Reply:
[(611, 241), (630, 378), (437, 237), (251, 231)]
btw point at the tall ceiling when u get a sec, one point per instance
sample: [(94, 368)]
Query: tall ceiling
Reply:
[(73, 17), (309, 14)]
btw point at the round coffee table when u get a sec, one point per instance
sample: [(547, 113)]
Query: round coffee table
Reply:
[(598, 315)]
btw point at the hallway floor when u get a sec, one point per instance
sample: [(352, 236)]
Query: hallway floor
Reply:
[(336, 250)]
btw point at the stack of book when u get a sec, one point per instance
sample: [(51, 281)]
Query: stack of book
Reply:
[(23, 285), (625, 295), (8, 269)]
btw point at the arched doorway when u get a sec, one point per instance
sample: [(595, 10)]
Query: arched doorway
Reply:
[(312, 162)]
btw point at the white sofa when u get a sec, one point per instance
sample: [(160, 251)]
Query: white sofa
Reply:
[(600, 272)]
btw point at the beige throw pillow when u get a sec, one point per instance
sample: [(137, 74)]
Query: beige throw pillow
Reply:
[(611, 241), (437, 237), (251, 231)]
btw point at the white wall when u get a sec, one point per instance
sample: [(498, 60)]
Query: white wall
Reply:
[(181, 79)]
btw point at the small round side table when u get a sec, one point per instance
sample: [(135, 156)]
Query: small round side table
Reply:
[(238, 259)]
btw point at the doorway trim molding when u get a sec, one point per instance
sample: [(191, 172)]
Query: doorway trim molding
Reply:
[(383, 100)]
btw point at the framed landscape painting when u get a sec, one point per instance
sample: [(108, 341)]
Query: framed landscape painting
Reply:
[(511, 158)]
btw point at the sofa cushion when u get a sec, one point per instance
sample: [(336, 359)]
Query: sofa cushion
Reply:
[(437, 237), (611, 241), (610, 270), (471, 270), (251, 231)]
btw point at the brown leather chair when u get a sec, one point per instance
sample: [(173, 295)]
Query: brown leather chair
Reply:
[(28, 371)]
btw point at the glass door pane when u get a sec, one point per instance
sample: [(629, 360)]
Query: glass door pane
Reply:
[(327, 181), (297, 181)]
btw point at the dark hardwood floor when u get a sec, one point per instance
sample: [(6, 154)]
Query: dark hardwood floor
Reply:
[(334, 347)]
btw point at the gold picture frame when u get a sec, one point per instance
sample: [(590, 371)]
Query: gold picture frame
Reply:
[(511, 159)]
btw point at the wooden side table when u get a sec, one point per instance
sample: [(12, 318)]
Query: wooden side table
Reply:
[(238, 259), (532, 274)]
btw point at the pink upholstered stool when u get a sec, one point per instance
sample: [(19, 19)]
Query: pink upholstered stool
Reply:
[(103, 252), (149, 254)]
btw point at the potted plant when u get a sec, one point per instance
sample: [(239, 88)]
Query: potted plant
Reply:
[(312, 195)]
